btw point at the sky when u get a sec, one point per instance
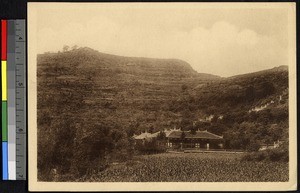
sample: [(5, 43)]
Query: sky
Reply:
[(222, 39)]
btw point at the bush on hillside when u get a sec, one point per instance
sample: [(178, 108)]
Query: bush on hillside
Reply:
[(151, 147), (278, 154)]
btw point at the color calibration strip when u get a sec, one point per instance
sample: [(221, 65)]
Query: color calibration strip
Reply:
[(13, 83), (11, 100), (4, 99), (20, 98)]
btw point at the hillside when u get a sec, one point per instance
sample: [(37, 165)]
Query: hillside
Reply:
[(248, 110), (158, 93), (113, 87), (90, 103)]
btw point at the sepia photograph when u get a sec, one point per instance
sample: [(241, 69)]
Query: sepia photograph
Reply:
[(162, 96)]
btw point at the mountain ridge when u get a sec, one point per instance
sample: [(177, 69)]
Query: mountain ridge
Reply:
[(280, 68), (85, 54)]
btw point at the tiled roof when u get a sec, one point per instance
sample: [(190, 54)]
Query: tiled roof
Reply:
[(168, 132), (146, 135), (198, 135)]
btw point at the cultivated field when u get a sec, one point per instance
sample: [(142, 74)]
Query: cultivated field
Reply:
[(192, 167)]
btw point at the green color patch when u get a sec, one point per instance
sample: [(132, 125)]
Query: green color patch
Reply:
[(4, 121)]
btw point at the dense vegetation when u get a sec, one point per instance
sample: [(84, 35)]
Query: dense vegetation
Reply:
[(191, 167), (90, 104), (280, 154)]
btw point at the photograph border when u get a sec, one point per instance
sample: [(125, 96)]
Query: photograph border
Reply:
[(35, 185)]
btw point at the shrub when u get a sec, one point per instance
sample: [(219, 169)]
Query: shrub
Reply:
[(152, 146), (254, 156), (252, 147), (274, 155), (278, 155)]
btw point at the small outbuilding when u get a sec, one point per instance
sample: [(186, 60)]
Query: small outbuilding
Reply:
[(145, 136)]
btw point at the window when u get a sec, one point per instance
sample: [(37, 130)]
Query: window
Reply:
[(221, 145)]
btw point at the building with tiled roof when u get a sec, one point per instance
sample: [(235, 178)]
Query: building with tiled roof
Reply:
[(198, 139), (198, 135), (175, 139)]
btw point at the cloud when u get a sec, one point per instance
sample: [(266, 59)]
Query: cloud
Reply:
[(223, 49), (247, 37)]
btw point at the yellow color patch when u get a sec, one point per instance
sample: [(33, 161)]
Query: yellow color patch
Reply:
[(4, 80)]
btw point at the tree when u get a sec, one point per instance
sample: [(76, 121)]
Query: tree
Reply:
[(151, 129), (253, 146), (264, 116), (74, 47), (151, 146), (250, 93), (217, 128), (193, 131), (182, 136), (184, 87), (65, 48), (130, 132), (161, 136), (212, 110), (268, 88), (279, 114), (186, 122)]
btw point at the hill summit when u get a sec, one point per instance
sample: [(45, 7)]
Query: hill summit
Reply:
[(88, 58)]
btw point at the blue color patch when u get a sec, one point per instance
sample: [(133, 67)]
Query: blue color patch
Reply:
[(4, 161)]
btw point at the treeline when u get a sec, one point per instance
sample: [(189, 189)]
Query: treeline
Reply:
[(75, 152)]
